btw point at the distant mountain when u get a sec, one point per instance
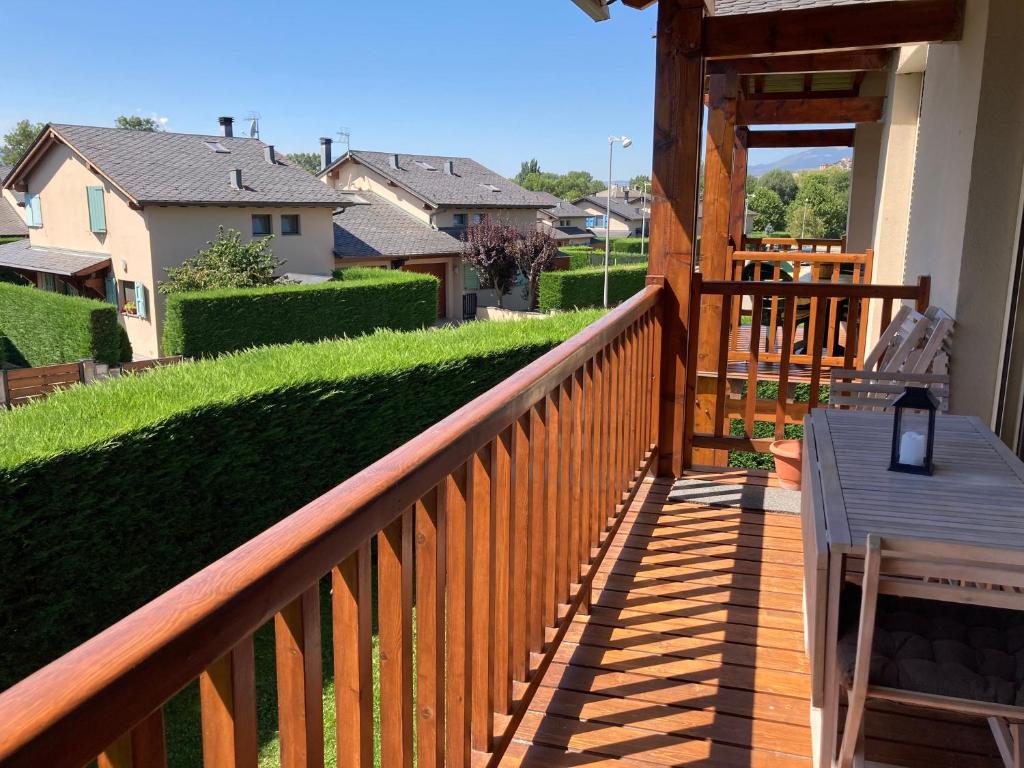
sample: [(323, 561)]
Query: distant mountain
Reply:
[(800, 161)]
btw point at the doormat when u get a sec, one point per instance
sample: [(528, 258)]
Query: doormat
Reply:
[(737, 496)]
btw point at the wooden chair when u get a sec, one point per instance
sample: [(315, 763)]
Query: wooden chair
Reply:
[(940, 577)]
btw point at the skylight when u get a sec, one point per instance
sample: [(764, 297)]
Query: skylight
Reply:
[(490, 187), (216, 146), (425, 165)]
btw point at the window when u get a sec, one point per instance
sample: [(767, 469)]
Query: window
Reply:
[(478, 218), (470, 278), (564, 223), (261, 225), (459, 219), (49, 282), (97, 214), (33, 211), (289, 224), (597, 221), (133, 297)]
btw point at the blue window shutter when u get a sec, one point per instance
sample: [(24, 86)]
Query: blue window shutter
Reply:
[(111, 290), (140, 300), (33, 211), (97, 214)]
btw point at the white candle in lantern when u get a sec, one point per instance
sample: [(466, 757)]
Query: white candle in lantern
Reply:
[(912, 448)]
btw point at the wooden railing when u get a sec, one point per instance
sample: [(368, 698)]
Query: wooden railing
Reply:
[(828, 245), (492, 523), (729, 391)]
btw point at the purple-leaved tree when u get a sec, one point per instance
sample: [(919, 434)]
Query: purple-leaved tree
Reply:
[(535, 253), (490, 248)]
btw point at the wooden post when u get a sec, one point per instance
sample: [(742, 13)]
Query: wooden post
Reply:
[(738, 197), (678, 114), (723, 91)]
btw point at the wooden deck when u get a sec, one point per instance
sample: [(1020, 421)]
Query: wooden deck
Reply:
[(693, 654)]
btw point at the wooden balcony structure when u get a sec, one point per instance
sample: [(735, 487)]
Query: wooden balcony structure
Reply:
[(566, 614)]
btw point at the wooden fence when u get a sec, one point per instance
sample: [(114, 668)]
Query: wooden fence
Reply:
[(19, 386), (728, 391), (828, 245), (492, 522)]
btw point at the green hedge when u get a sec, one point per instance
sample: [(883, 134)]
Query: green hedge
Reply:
[(585, 287), (579, 255), (112, 493), (359, 301), (46, 328)]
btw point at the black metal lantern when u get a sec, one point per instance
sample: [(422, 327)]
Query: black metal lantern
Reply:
[(912, 451)]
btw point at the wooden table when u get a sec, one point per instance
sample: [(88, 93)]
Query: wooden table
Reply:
[(975, 495)]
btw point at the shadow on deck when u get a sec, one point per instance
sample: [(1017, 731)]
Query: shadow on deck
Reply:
[(693, 654)]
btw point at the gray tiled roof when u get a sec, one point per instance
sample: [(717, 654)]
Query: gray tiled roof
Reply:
[(568, 233), (468, 186), (383, 229), (58, 261), (4, 170), (11, 222), (562, 209), (734, 7), (619, 208), (179, 168)]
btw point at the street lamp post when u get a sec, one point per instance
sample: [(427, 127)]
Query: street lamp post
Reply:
[(643, 221), (626, 142)]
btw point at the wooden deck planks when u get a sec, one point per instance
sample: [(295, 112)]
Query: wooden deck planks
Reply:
[(692, 654)]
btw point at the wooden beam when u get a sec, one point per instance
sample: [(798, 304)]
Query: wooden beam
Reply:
[(859, 109), (679, 91), (833, 61), (738, 202), (835, 27), (822, 137)]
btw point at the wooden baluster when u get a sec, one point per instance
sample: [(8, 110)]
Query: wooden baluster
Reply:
[(576, 469), (459, 617), (554, 425), (696, 294), (586, 466), (852, 333), (300, 708), (394, 627), (788, 331), (142, 747), (536, 586), (501, 493), (562, 561), (723, 370), (352, 606), (615, 405), (818, 324), (482, 594), (227, 696), (633, 460), (771, 338), (812, 317), (522, 535), (625, 406), (600, 446), (752, 367), (833, 318), (431, 527)]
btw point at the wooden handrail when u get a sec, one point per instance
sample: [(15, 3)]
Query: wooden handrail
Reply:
[(810, 290), (806, 257), (81, 704)]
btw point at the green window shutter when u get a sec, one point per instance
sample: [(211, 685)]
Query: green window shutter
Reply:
[(97, 214), (111, 290), (140, 300)]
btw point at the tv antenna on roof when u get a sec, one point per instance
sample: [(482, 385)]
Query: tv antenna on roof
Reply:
[(254, 124), (345, 135)]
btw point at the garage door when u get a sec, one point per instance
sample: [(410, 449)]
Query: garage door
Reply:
[(440, 271)]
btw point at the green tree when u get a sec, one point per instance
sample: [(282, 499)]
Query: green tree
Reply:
[(137, 123), (827, 193), (802, 221), (18, 140), (568, 186), (308, 160), (226, 262), (768, 209), (638, 181), (525, 169), (781, 182)]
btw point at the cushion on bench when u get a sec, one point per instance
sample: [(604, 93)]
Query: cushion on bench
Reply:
[(947, 649)]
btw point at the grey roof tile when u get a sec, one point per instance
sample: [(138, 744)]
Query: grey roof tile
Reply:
[(11, 222), (469, 185), (734, 7), (4, 170), (381, 228), (562, 209), (618, 207), (180, 168), (21, 254)]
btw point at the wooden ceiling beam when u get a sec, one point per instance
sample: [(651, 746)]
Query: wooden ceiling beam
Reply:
[(819, 137), (834, 61), (860, 109), (833, 28)]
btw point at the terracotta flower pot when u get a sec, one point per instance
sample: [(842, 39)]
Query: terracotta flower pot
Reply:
[(787, 462)]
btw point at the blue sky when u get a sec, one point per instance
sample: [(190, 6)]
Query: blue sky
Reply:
[(498, 81)]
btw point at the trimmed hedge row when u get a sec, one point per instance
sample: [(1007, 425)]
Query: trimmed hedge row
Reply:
[(358, 301), (585, 287), (112, 493), (45, 328)]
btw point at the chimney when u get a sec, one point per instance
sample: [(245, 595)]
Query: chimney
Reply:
[(235, 178), (325, 153), (449, 167), (394, 162), (269, 154), (226, 126)]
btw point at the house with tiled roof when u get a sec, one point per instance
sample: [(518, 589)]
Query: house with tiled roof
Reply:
[(565, 222), (445, 195), (626, 216), (108, 210), (12, 220)]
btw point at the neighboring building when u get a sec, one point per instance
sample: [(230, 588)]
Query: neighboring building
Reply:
[(627, 215), (108, 210), (565, 222), (447, 194), (12, 219), (381, 234)]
